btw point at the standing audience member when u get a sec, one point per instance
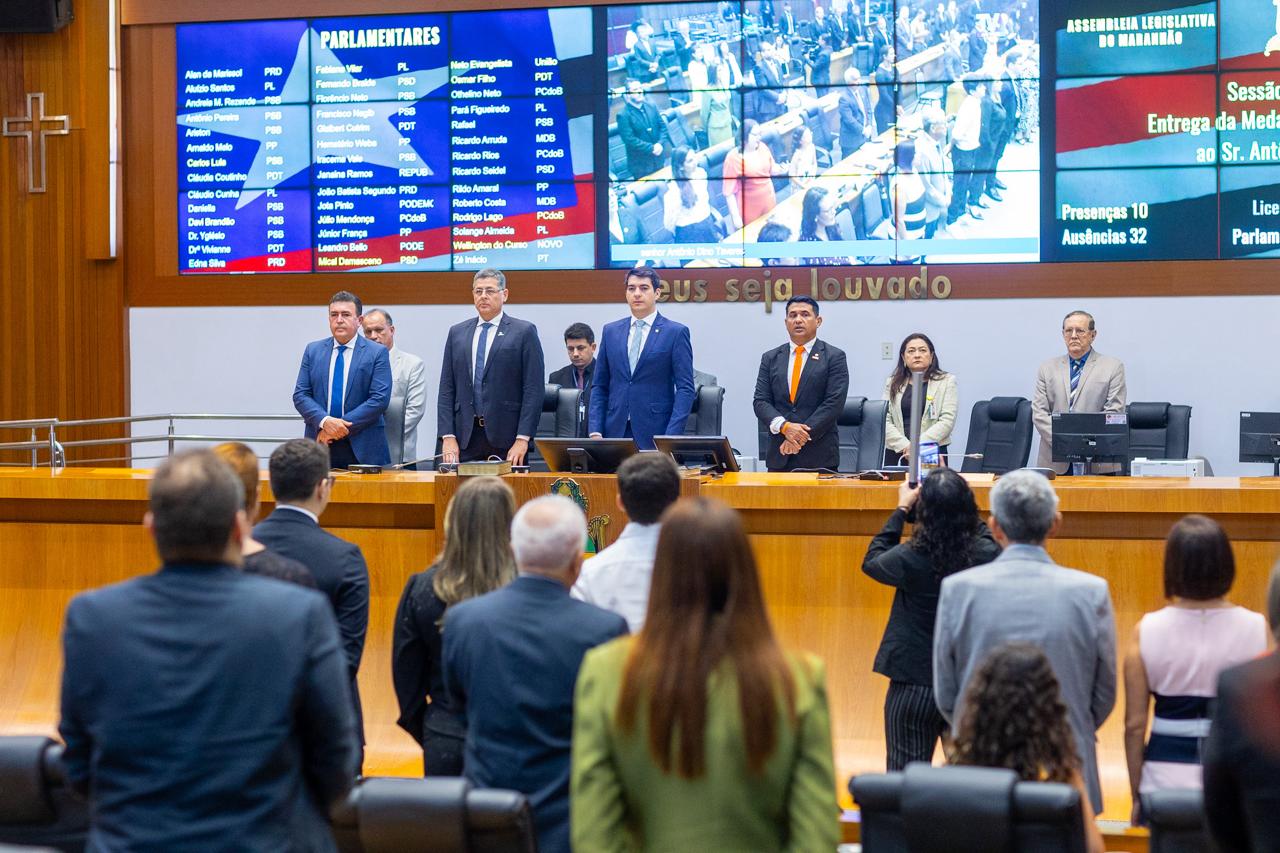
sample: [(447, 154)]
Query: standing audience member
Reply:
[(718, 119), (818, 224), (857, 123), (701, 733), (966, 139), (803, 168), (256, 558), (1017, 720), (886, 80), (642, 61), (686, 206), (644, 134), (204, 708), (941, 399), (908, 196), (476, 559), (931, 165), (302, 485), (1242, 753), (1023, 596), (947, 537), (748, 177), (511, 658), (408, 389), (617, 578), (1178, 653)]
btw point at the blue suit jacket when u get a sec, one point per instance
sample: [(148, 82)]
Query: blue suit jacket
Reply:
[(511, 659), (658, 397), (206, 709), (367, 393), (513, 386)]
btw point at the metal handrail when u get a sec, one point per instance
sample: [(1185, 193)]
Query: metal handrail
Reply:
[(57, 456)]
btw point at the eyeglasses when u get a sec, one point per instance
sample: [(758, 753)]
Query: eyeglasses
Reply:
[(1076, 333), (486, 291)]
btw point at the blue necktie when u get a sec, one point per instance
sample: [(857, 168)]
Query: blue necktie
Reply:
[(477, 378), (637, 340), (335, 387)]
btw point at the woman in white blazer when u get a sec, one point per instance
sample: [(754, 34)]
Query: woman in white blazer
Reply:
[(941, 399)]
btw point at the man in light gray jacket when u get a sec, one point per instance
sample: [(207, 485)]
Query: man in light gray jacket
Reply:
[(1025, 597), (408, 389)]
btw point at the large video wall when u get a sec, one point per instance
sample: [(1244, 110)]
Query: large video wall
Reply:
[(731, 134)]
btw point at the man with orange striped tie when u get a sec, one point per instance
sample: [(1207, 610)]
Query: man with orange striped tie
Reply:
[(799, 394)]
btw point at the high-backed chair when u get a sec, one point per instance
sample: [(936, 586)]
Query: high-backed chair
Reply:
[(926, 809), (1177, 821), (860, 426), (435, 815), (646, 200), (1159, 430), (559, 419), (1000, 429), (707, 415), (36, 806)]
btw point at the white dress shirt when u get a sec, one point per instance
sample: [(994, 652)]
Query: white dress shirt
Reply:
[(968, 130), (775, 426), (617, 578), (346, 371), (308, 513), (488, 344)]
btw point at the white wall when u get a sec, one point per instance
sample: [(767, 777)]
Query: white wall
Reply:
[(1203, 351)]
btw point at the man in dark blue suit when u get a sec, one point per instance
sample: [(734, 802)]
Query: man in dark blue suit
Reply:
[(344, 386), (643, 384), (204, 708), (491, 384), (511, 659), (301, 484)]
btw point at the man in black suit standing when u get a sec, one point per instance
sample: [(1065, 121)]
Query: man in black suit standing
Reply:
[(491, 384), (644, 133), (520, 647), (857, 124), (301, 484), (800, 392), (580, 341), (205, 708), (770, 97), (786, 21), (1242, 752)]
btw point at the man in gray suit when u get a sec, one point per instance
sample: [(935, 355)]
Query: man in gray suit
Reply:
[(932, 167), (1025, 597), (1083, 380), (408, 388)]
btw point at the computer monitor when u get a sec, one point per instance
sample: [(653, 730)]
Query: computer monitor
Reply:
[(699, 451), (585, 455), (1260, 439), (1090, 437)]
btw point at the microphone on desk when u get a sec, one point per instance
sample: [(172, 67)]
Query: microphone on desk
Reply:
[(404, 465)]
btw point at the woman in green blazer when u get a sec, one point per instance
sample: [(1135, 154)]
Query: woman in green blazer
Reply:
[(700, 733), (941, 399)]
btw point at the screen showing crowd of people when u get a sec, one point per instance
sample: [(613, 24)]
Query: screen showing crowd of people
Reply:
[(885, 133), (639, 699)]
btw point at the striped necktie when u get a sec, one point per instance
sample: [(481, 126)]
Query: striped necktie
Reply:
[(1077, 369)]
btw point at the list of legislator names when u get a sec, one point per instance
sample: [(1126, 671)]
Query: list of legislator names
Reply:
[(385, 143)]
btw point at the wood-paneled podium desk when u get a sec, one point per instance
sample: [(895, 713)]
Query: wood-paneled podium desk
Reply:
[(73, 530)]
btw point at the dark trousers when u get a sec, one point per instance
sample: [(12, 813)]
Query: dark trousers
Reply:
[(964, 163), (479, 448), (912, 723), (341, 455), (441, 755)]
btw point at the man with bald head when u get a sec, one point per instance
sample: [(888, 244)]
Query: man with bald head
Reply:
[(520, 647)]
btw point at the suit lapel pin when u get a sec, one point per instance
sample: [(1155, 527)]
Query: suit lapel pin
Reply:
[(500, 334), (815, 356)]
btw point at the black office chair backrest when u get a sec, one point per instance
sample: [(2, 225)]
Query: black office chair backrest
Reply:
[(966, 810), (1177, 821), (647, 197), (706, 417), (1000, 429), (677, 129), (37, 809), (1159, 430), (618, 155), (434, 815), (860, 427), (559, 419)]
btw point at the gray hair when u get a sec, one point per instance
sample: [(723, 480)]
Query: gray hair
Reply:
[(491, 273), (1025, 505), (934, 117), (851, 75), (1273, 600), (548, 533)]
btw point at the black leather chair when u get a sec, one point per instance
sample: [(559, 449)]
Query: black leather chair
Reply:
[(928, 809), (1158, 431), (1177, 821), (645, 199), (861, 430), (37, 809), (559, 419), (1000, 429), (707, 415), (436, 815)]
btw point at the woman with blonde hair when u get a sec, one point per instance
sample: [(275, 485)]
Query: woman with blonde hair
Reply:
[(476, 559), (700, 732), (256, 558)]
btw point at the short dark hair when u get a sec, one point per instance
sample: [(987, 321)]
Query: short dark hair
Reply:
[(296, 468), (972, 82), (773, 232), (1079, 314), (804, 300), (1198, 563), (648, 483), (579, 332), (649, 274), (194, 498), (348, 296), (386, 315)]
